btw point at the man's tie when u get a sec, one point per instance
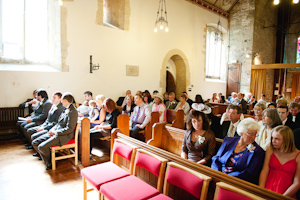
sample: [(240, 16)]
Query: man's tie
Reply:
[(230, 131), (137, 116)]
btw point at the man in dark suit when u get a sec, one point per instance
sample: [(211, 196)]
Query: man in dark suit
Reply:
[(52, 119), (30, 103), (294, 112), (172, 103), (229, 127), (190, 101), (284, 112), (61, 133), (39, 115), (243, 103), (121, 101)]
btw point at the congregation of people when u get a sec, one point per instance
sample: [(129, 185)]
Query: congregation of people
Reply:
[(260, 148)]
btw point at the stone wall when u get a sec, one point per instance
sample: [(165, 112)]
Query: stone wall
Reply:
[(241, 23)]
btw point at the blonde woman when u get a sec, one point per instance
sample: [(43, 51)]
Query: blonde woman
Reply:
[(281, 169), (129, 106), (183, 105), (102, 113)]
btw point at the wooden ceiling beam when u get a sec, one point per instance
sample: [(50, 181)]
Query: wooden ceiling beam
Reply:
[(210, 7), (276, 66)]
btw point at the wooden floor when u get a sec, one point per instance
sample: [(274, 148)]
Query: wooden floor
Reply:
[(23, 176)]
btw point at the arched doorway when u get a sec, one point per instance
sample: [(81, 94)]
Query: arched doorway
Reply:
[(181, 72), (171, 84)]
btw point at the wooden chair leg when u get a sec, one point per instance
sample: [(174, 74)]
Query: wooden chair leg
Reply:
[(76, 155), (53, 159), (84, 189)]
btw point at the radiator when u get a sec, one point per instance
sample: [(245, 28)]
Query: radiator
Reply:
[(9, 117)]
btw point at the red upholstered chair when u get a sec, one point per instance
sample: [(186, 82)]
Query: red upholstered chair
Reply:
[(70, 145), (97, 175), (133, 188), (191, 181), (161, 197), (225, 191)]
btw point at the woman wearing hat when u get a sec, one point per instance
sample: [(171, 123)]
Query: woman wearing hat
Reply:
[(160, 107), (199, 141)]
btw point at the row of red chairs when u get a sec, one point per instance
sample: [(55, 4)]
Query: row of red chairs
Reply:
[(114, 183)]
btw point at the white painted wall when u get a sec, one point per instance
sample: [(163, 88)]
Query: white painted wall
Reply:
[(114, 49)]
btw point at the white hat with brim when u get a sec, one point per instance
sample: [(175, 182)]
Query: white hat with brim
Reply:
[(202, 108), (159, 96)]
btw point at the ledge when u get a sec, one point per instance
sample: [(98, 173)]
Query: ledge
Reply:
[(27, 68), (214, 80)]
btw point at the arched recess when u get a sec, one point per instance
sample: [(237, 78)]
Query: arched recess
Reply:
[(182, 71)]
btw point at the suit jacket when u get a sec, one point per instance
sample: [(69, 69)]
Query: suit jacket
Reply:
[(291, 124), (290, 116), (40, 113), (22, 106), (244, 106), (171, 105), (224, 129), (249, 165), (120, 101), (66, 125), (297, 137), (215, 125), (53, 116)]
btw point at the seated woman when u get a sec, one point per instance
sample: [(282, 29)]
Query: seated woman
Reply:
[(258, 110), (183, 105), (160, 107), (214, 99), (198, 99), (148, 99), (199, 141), (99, 101), (270, 120), (222, 99), (281, 178), (241, 156), (109, 123), (128, 108), (94, 112)]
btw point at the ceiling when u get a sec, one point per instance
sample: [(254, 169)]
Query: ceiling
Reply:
[(220, 6)]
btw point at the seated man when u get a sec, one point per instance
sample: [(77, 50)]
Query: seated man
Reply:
[(172, 103), (229, 127), (52, 119), (190, 101), (294, 112), (232, 97), (59, 134), (140, 117), (284, 112), (30, 103), (121, 101), (39, 115), (243, 103), (83, 110)]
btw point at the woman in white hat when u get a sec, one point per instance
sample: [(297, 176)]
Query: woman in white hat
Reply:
[(159, 106)]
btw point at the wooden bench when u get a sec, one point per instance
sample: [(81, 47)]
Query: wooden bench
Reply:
[(215, 175), (175, 118)]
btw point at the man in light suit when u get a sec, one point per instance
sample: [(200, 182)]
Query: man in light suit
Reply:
[(61, 133), (39, 115), (52, 119)]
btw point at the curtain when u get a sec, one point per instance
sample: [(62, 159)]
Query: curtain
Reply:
[(295, 85), (258, 82)]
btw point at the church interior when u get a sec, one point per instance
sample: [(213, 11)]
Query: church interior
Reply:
[(108, 47)]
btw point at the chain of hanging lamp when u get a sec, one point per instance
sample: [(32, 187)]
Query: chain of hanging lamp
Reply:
[(161, 18)]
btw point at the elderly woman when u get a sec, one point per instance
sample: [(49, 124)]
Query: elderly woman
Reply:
[(160, 107), (128, 108), (183, 105), (241, 156), (270, 120), (108, 124), (102, 113), (199, 141)]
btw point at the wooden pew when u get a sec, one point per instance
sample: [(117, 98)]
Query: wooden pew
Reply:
[(215, 175), (221, 107), (175, 118)]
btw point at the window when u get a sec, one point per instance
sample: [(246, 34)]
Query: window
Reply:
[(28, 34), (298, 51), (215, 54)]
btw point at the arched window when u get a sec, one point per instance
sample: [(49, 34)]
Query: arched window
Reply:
[(215, 54)]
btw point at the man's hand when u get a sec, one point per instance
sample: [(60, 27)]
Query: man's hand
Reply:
[(28, 119), (31, 102), (138, 125), (98, 127)]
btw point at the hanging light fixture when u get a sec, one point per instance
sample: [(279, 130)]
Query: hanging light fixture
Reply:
[(161, 18), (276, 2), (60, 2)]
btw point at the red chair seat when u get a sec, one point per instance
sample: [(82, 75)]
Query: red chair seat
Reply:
[(129, 187), (97, 175), (229, 195), (70, 142), (161, 197)]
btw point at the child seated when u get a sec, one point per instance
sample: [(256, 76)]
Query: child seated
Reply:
[(94, 112)]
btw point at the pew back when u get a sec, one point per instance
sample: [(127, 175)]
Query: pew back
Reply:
[(175, 118)]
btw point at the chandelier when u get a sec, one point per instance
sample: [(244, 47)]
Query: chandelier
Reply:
[(161, 18), (276, 2)]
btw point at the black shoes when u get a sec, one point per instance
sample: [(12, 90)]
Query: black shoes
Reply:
[(48, 166), (29, 147), (40, 158), (36, 155)]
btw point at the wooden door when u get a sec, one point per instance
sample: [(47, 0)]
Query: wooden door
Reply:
[(295, 85), (171, 85), (233, 78)]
